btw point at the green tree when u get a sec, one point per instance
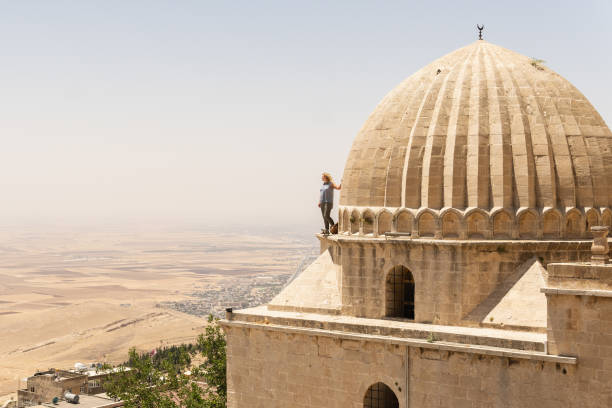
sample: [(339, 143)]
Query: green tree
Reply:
[(140, 384), (213, 370), (162, 380)]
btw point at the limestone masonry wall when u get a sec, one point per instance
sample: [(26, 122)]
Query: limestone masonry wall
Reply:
[(451, 278), (274, 369)]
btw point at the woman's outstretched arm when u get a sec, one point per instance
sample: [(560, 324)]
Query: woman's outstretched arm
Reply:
[(337, 187)]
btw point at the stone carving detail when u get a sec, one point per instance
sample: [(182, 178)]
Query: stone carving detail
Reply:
[(451, 223), (551, 225), (527, 225), (385, 222), (502, 225), (427, 225), (403, 222), (574, 227)]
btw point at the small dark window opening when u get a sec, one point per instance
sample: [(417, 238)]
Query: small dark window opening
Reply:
[(380, 396), (400, 293)]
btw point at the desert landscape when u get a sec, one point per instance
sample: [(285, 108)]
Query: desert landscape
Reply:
[(70, 295)]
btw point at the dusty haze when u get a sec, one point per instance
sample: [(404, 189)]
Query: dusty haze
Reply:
[(227, 112), (71, 295)]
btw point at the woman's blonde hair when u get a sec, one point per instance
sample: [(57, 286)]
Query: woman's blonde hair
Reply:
[(328, 176)]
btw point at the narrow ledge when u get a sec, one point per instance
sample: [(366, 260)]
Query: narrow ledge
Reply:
[(435, 345), (577, 292)]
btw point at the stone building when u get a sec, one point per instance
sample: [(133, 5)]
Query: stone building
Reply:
[(46, 385), (43, 386), (462, 272)]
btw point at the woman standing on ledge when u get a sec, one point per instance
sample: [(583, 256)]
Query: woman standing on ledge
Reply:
[(326, 200)]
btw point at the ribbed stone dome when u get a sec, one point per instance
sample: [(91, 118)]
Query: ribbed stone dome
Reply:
[(481, 128)]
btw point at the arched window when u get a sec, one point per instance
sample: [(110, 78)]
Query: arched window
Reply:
[(400, 293), (380, 396)]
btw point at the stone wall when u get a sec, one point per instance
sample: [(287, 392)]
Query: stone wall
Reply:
[(580, 324), (275, 369), (451, 277)]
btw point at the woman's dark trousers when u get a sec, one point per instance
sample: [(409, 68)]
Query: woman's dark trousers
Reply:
[(326, 211)]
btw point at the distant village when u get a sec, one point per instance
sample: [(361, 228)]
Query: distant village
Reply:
[(238, 293), (84, 383)]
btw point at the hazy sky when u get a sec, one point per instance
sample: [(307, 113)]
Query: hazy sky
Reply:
[(228, 111)]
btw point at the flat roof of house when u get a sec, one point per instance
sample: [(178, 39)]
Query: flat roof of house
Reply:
[(85, 401)]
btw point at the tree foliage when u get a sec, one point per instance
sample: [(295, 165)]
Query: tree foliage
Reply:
[(168, 379)]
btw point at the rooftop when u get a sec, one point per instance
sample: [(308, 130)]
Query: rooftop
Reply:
[(85, 401), (507, 343)]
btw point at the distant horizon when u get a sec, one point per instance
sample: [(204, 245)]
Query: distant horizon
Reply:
[(302, 230), (227, 113)]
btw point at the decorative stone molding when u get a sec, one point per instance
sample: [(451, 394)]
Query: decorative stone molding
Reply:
[(475, 223)]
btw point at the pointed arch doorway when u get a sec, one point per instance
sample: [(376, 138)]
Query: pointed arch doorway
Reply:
[(380, 396)]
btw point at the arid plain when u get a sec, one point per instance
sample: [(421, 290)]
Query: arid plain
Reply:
[(70, 295)]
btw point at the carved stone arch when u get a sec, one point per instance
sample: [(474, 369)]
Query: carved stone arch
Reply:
[(427, 224), (367, 222), (528, 223), (384, 222), (403, 221), (380, 395), (606, 219), (502, 224), (477, 224), (593, 219), (552, 227), (574, 224), (355, 221), (451, 223)]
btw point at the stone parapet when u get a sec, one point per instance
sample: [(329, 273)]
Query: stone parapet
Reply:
[(579, 276), (579, 306), (470, 336), (409, 342), (474, 223)]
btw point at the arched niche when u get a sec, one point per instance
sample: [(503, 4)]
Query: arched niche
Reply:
[(528, 225), (427, 225), (403, 222), (477, 225), (385, 223), (368, 222), (451, 225), (592, 220), (574, 224), (502, 225), (551, 224)]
